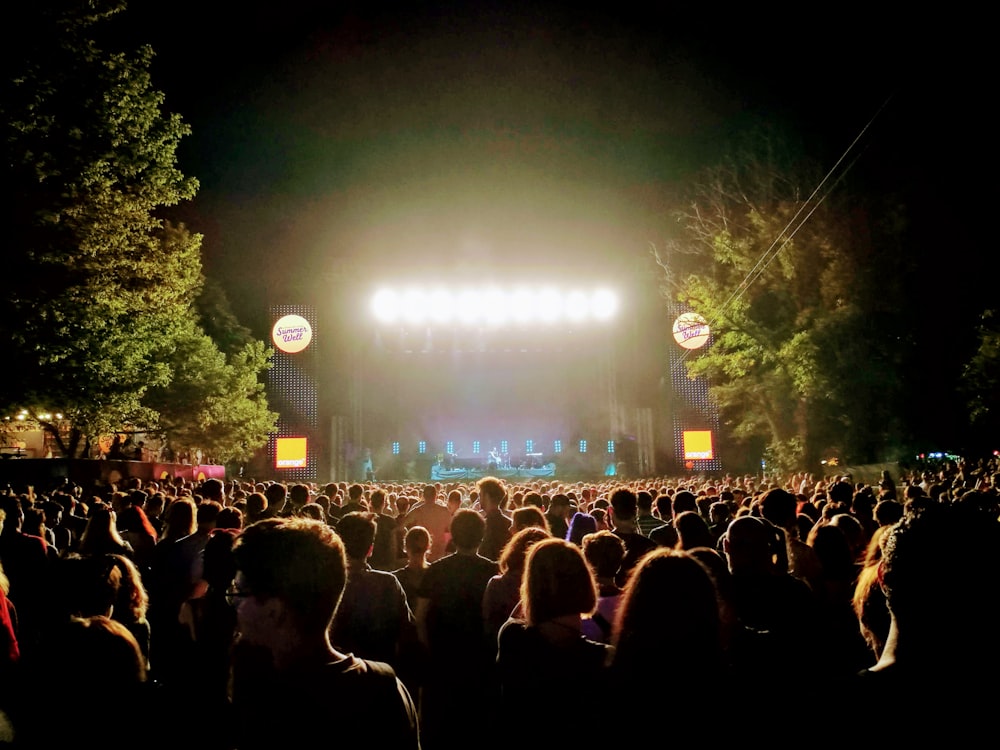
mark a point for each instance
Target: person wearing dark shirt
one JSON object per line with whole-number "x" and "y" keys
{"x": 623, "y": 512}
{"x": 387, "y": 550}
{"x": 545, "y": 656}
{"x": 291, "y": 573}
{"x": 492, "y": 498}
{"x": 450, "y": 625}
{"x": 373, "y": 617}
{"x": 415, "y": 546}
{"x": 557, "y": 516}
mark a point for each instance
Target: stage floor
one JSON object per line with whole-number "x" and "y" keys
{"x": 440, "y": 474}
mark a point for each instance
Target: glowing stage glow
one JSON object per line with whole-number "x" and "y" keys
{"x": 493, "y": 306}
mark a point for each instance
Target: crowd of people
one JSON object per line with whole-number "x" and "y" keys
{"x": 242, "y": 614}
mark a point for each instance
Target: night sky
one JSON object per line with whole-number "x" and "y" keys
{"x": 465, "y": 138}
{"x": 337, "y": 144}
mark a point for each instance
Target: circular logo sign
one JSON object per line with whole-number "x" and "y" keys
{"x": 691, "y": 331}
{"x": 292, "y": 334}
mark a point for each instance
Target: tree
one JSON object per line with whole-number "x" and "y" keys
{"x": 213, "y": 403}
{"x": 218, "y": 320}
{"x": 793, "y": 290}
{"x": 982, "y": 380}
{"x": 105, "y": 287}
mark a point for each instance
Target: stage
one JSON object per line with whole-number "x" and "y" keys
{"x": 440, "y": 473}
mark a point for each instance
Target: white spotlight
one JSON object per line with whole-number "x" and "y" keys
{"x": 604, "y": 304}
{"x": 385, "y": 306}
{"x": 522, "y": 306}
{"x": 577, "y": 306}
{"x": 549, "y": 305}
{"x": 414, "y": 306}
{"x": 495, "y": 307}
{"x": 441, "y": 305}
{"x": 467, "y": 307}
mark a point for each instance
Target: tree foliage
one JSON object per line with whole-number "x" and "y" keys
{"x": 213, "y": 402}
{"x": 800, "y": 300}
{"x": 105, "y": 288}
{"x": 982, "y": 377}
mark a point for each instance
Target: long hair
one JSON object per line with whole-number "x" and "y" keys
{"x": 179, "y": 519}
{"x": 100, "y": 533}
{"x": 100, "y": 652}
{"x": 134, "y": 519}
{"x": 556, "y": 582}
{"x": 131, "y": 599}
{"x": 668, "y": 622}
{"x": 515, "y": 552}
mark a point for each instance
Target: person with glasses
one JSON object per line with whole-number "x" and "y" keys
{"x": 290, "y": 575}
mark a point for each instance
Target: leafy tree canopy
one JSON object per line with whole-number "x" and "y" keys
{"x": 982, "y": 378}
{"x": 800, "y": 294}
{"x": 104, "y": 294}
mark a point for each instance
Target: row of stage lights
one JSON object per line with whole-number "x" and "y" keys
{"x": 493, "y": 306}
{"x": 529, "y": 447}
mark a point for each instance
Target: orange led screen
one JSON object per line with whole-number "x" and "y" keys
{"x": 698, "y": 445}
{"x": 290, "y": 453}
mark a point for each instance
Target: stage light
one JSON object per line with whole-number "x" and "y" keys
{"x": 467, "y": 308}
{"x": 493, "y": 305}
{"x": 385, "y": 306}
{"x": 414, "y": 306}
{"x": 441, "y": 306}
{"x": 603, "y": 304}
{"x": 549, "y": 306}
{"x": 522, "y": 306}
{"x": 577, "y": 306}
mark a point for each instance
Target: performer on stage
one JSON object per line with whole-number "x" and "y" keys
{"x": 367, "y": 466}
